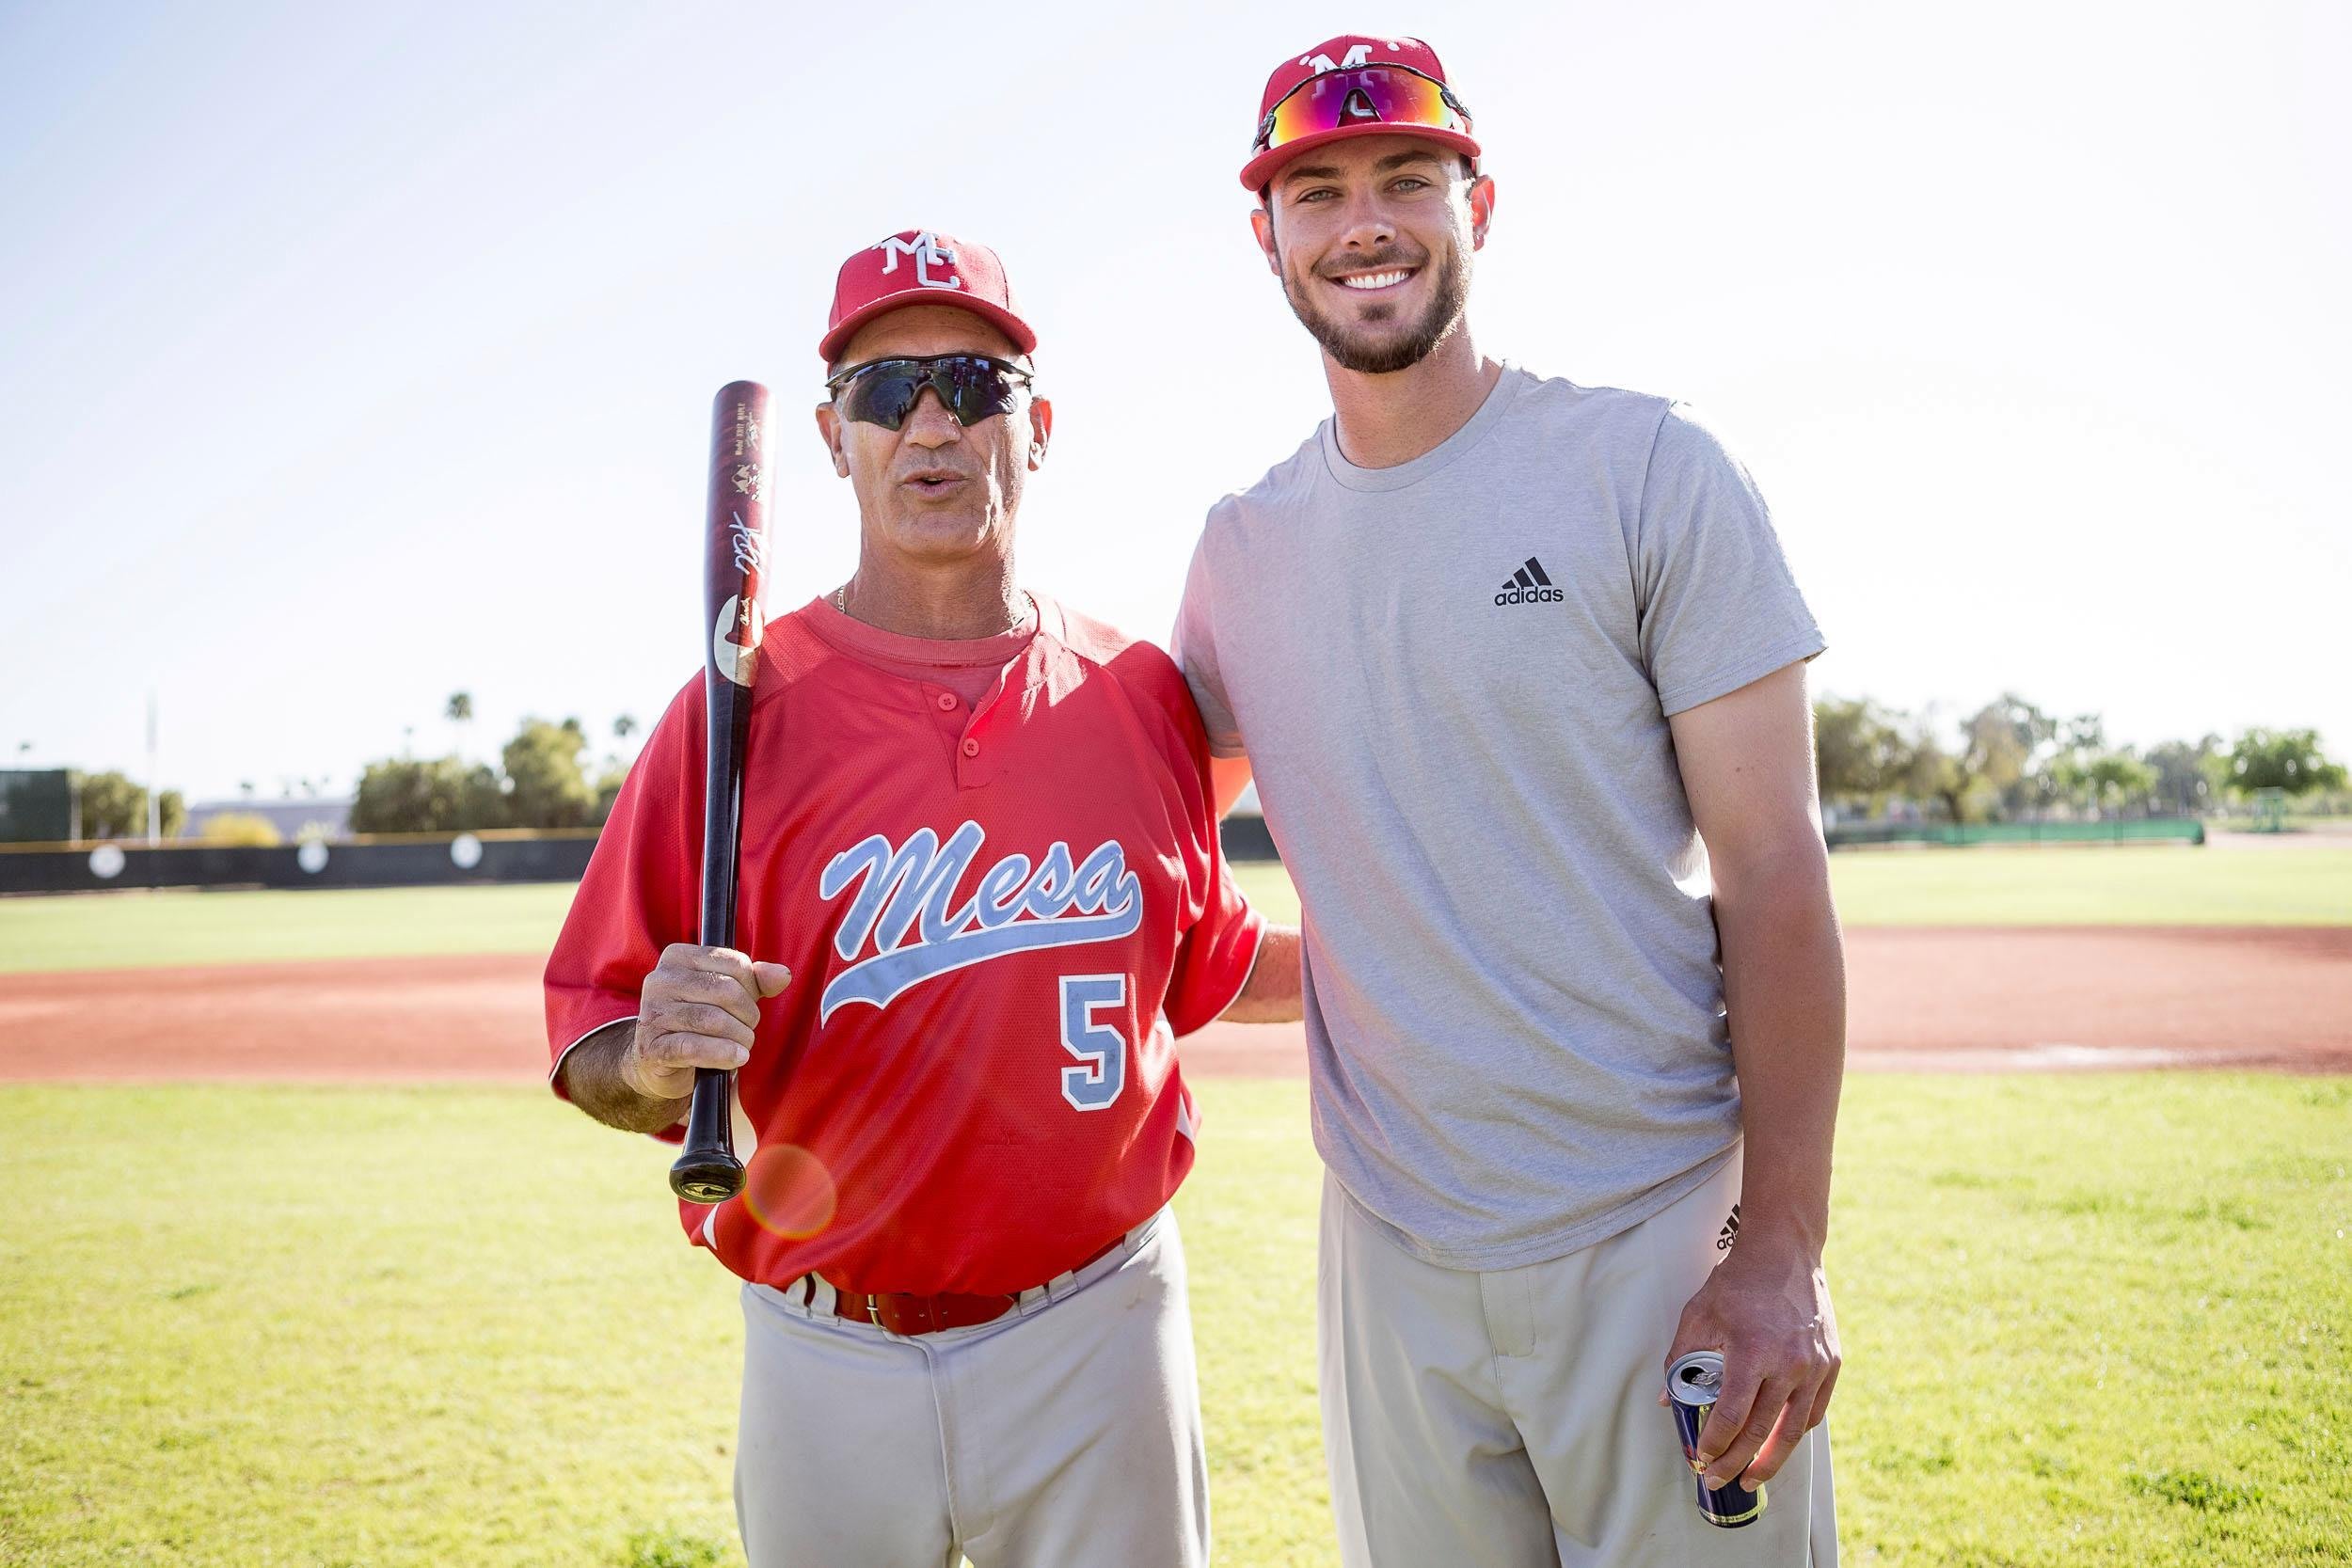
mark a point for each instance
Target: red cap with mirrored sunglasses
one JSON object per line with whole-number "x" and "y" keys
{"x": 1354, "y": 86}
{"x": 920, "y": 266}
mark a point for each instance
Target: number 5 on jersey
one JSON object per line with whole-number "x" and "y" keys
{"x": 1099, "y": 1047}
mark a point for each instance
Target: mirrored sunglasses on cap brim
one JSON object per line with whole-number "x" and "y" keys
{"x": 1391, "y": 95}
{"x": 972, "y": 387}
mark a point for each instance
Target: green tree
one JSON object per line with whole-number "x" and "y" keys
{"x": 436, "y": 795}
{"x": 460, "y": 714}
{"x": 1933, "y": 772}
{"x": 1859, "y": 751}
{"x": 2190, "y": 774}
{"x": 2288, "y": 760}
{"x": 547, "y": 787}
{"x": 609, "y": 789}
{"x": 1997, "y": 747}
{"x": 2015, "y": 758}
{"x": 2104, "y": 781}
{"x": 2060, "y": 769}
{"x": 114, "y": 807}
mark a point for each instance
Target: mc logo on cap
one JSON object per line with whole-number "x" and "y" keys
{"x": 927, "y": 253}
{"x": 921, "y": 266}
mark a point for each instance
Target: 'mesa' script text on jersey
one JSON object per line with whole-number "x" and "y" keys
{"x": 903, "y": 906}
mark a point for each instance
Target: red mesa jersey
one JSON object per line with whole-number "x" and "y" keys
{"x": 998, "y": 917}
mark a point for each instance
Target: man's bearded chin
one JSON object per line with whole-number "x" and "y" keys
{"x": 1353, "y": 348}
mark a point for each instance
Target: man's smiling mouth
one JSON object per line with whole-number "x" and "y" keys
{"x": 1375, "y": 279}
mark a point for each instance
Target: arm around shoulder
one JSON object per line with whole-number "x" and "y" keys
{"x": 1273, "y": 992}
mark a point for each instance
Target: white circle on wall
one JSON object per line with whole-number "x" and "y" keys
{"x": 311, "y": 857}
{"x": 106, "y": 861}
{"x": 465, "y": 851}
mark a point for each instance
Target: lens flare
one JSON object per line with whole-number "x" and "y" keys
{"x": 788, "y": 1191}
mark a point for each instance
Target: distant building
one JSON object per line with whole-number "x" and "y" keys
{"x": 290, "y": 817}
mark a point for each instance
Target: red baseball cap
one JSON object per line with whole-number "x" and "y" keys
{"x": 921, "y": 266}
{"x": 1360, "y": 99}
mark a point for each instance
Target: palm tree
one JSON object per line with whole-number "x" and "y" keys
{"x": 460, "y": 712}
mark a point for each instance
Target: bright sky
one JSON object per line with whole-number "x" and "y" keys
{"x": 353, "y": 356}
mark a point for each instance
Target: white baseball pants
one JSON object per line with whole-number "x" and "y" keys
{"x": 1067, "y": 1432}
{"x": 1511, "y": 1419}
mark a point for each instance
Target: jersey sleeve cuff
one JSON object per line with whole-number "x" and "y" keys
{"x": 1243, "y": 964}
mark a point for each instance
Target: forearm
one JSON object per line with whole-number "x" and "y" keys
{"x": 1273, "y": 994}
{"x": 592, "y": 1077}
{"x": 1785, "y": 992}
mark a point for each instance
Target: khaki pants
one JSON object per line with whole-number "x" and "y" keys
{"x": 1511, "y": 1419}
{"x": 1067, "y": 1432}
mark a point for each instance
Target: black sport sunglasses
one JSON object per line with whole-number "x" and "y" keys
{"x": 973, "y": 386}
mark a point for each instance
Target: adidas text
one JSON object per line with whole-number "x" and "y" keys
{"x": 1528, "y": 595}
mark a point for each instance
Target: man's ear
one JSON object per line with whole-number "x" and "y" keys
{"x": 1482, "y": 206}
{"x": 829, "y": 428}
{"x": 1261, "y": 225}
{"x": 1041, "y": 430}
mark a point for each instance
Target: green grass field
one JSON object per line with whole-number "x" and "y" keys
{"x": 2088, "y": 1321}
{"x": 2104, "y": 885}
{"x": 2154, "y": 885}
{"x": 125, "y": 929}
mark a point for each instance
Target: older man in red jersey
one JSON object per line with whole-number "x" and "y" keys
{"x": 979, "y": 845}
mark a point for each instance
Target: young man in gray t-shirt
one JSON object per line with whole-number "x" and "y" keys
{"x": 1519, "y": 667}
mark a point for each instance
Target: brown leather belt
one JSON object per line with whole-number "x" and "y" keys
{"x": 902, "y": 1312}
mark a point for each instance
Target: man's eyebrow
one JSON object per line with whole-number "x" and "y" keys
{"x": 1393, "y": 161}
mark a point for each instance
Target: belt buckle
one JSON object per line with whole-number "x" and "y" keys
{"x": 873, "y": 1310}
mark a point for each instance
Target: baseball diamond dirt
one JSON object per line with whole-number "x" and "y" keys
{"x": 1974, "y": 998}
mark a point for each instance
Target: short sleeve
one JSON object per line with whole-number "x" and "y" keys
{"x": 640, "y": 891}
{"x": 1718, "y": 606}
{"x": 1193, "y": 648}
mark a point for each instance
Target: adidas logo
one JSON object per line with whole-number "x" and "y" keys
{"x": 1528, "y": 585}
{"x": 1731, "y": 1232}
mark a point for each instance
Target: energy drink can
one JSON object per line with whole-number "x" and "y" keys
{"x": 1691, "y": 1384}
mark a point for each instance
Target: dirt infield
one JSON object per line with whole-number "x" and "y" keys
{"x": 2276, "y": 997}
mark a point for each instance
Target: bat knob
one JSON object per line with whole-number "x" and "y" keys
{"x": 706, "y": 1176}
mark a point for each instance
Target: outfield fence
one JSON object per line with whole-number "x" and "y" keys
{"x": 422, "y": 860}
{"x": 2143, "y": 829}
{"x": 390, "y": 860}
{"x": 383, "y": 860}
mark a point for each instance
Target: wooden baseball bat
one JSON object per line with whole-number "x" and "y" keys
{"x": 708, "y": 1170}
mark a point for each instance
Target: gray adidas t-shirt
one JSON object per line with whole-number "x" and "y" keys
{"x": 1453, "y": 678}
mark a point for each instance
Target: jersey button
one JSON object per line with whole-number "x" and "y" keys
{"x": 971, "y": 747}
{"x": 947, "y": 703}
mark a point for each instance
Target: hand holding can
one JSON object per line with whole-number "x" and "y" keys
{"x": 1692, "y": 1383}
